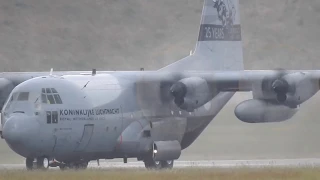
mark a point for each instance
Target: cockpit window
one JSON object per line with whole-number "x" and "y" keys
{"x": 57, "y": 98}
{"x": 44, "y": 98}
{"x": 50, "y": 96}
{"x": 48, "y": 90}
{"x": 23, "y": 96}
{"x": 54, "y": 90}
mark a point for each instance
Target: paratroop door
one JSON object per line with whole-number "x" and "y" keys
{"x": 86, "y": 136}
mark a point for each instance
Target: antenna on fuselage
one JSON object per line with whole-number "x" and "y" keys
{"x": 51, "y": 71}
{"x": 94, "y": 72}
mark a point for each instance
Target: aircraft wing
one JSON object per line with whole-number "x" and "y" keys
{"x": 290, "y": 88}
{"x": 248, "y": 80}
{"x": 226, "y": 81}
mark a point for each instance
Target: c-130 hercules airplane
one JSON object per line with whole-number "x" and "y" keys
{"x": 67, "y": 119}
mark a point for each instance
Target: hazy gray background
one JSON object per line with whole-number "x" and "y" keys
{"x": 36, "y": 35}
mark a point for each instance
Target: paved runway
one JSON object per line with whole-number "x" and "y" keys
{"x": 201, "y": 164}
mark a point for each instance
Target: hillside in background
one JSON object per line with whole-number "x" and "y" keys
{"x": 36, "y": 35}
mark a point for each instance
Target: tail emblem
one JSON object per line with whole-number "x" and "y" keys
{"x": 219, "y": 21}
{"x": 226, "y": 12}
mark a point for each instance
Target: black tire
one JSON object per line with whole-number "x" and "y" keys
{"x": 83, "y": 166}
{"x": 152, "y": 165}
{"x": 74, "y": 166}
{"x": 42, "y": 163}
{"x": 167, "y": 164}
{"x": 29, "y": 163}
{"x": 63, "y": 167}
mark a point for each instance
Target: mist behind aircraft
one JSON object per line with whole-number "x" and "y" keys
{"x": 125, "y": 35}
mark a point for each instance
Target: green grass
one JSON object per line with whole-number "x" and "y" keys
{"x": 177, "y": 174}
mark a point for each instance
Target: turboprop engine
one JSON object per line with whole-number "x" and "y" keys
{"x": 277, "y": 99}
{"x": 290, "y": 89}
{"x": 191, "y": 93}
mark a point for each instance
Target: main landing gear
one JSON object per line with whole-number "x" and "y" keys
{"x": 157, "y": 165}
{"x": 74, "y": 166}
{"x": 41, "y": 163}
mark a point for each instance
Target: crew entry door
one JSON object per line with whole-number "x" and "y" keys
{"x": 86, "y": 137}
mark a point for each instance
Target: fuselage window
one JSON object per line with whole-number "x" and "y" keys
{"x": 23, "y": 96}
{"x": 48, "y": 117}
{"x": 54, "y": 117}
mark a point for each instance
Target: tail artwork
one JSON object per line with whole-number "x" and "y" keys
{"x": 219, "y": 45}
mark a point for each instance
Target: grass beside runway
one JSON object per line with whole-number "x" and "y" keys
{"x": 177, "y": 174}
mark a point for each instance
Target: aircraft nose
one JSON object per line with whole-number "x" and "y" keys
{"x": 20, "y": 129}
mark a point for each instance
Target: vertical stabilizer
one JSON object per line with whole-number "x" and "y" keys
{"x": 219, "y": 45}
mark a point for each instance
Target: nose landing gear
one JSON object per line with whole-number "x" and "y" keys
{"x": 43, "y": 163}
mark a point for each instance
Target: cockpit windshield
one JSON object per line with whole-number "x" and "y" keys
{"x": 19, "y": 97}
{"x": 22, "y": 96}
{"x": 50, "y": 96}
{"x": 45, "y": 96}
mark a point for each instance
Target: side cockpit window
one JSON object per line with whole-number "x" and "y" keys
{"x": 23, "y": 96}
{"x": 50, "y": 96}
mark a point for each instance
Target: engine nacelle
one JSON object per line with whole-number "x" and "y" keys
{"x": 260, "y": 111}
{"x": 166, "y": 150}
{"x": 302, "y": 89}
{"x": 191, "y": 93}
{"x": 288, "y": 89}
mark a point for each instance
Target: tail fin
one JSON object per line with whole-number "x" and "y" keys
{"x": 219, "y": 45}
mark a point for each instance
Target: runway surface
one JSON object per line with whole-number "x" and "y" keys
{"x": 200, "y": 164}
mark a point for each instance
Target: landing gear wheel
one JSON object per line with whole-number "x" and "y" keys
{"x": 83, "y": 165}
{"x": 29, "y": 163}
{"x": 63, "y": 167}
{"x": 167, "y": 164}
{"x": 152, "y": 164}
{"x": 42, "y": 163}
{"x": 74, "y": 166}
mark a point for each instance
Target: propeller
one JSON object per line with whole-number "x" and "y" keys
{"x": 178, "y": 91}
{"x": 281, "y": 88}
{"x": 280, "y": 85}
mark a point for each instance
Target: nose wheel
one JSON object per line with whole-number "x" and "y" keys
{"x": 41, "y": 163}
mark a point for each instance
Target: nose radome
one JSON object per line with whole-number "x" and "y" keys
{"x": 20, "y": 129}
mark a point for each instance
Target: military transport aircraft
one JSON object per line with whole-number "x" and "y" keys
{"x": 66, "y": 119}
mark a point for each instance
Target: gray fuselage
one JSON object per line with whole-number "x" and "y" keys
{"x": 98, "y": 117}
